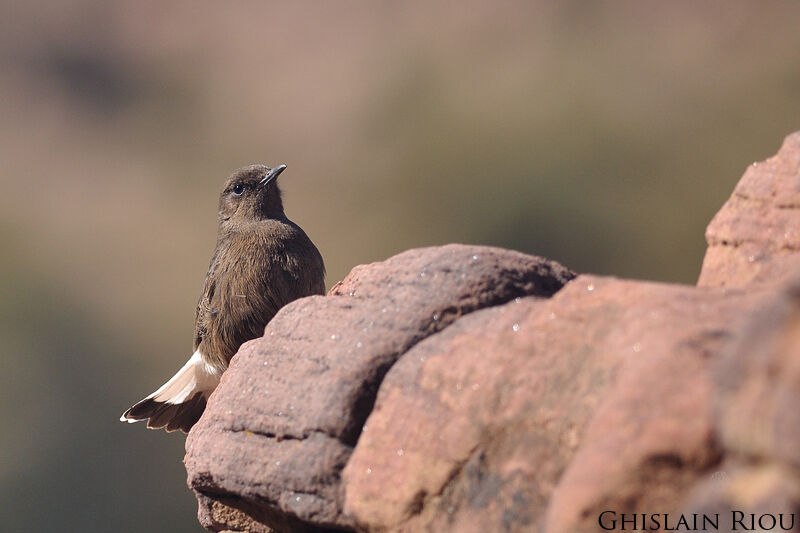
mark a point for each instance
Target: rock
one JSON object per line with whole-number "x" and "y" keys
{"x": 472, "y": 389}
{"x": 741, "y": 495}
{"x": 759, "y": 382}
{"x": 755, "y": 237}
{"x": 283, "y": 422}
{"x": 758, "y": 394}
{"x": 502, "y": 421}
{"x": 753, "y": 242}
{"x": 217, "y": 516}
{"x": 653, "y": 436}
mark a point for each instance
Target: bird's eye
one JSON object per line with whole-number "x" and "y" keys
{"x": 238, "y": 189}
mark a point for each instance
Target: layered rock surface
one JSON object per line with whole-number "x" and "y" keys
{"x": 468, "y": 388}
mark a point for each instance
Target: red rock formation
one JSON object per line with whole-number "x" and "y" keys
{"x": 755, "y": 237}
{"x": 284, "y": 420}
{"x": 463, "y": 389}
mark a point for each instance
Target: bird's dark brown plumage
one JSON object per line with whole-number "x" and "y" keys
{"x": 261, "y": 262}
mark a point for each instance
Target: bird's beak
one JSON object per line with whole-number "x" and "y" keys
{"x": 272, "y": 173}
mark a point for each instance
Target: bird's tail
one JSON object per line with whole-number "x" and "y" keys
{"x": 179, "y": 402}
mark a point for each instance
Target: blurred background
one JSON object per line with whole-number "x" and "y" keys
{"x": 601, "y": 134}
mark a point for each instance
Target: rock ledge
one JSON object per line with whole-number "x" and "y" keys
{"x": 467, "y": 388}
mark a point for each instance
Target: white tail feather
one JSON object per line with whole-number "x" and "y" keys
{"x": 195, "y": 376}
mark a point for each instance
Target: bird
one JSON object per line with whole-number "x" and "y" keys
{"x": 261, "y": 262}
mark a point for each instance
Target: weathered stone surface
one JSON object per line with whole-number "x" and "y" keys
{"x": 740, "y": 494}
{"x": 217, "y": 516}
{"x": 283, "y": 422}
{"x": 476, "y": 427}
{"x": 653, "y": 436}
{"x": 758, "y": 393}
{"x": 754, "y": 242}
{"x": 755, "y": 237}
{"x": 759, "y": 382}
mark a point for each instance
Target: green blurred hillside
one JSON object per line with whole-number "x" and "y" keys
{"x": 604, "y": 135}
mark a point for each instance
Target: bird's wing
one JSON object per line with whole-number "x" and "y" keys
{"x": 238, "y": 300}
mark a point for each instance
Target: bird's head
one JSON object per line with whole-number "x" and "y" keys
{"x": 251, "y": 193}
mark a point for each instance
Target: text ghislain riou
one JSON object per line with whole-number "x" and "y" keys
{"x": 738, "y": 521}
